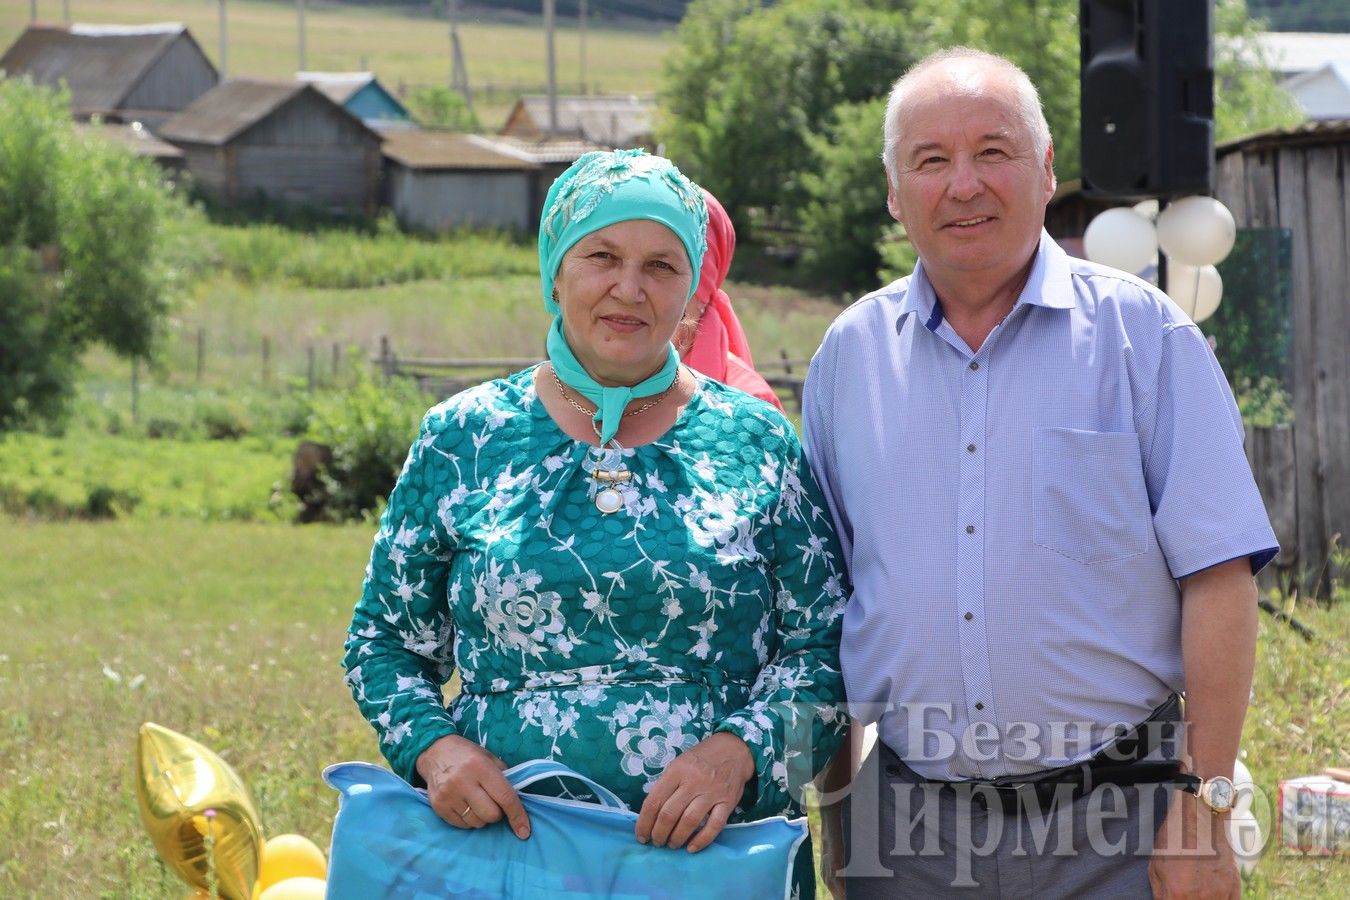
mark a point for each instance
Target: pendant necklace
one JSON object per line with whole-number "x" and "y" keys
{"x": 609, "y": 499}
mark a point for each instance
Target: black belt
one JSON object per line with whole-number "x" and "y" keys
{"x": 1118, "y": 763}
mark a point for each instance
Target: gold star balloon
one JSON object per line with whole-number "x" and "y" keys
{"x": 198, "y": 812}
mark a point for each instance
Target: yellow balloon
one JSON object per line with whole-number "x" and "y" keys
{"x": 302, "y": 888}
{"x": 198, "y": 812}
{"x": 288, "y": 856}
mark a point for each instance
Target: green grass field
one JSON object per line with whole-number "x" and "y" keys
{"x": 231, "y": 633}
{"x": 401, "y": 47}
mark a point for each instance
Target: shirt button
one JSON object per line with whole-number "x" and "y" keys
{"x": 974, "y": 366}
{"x": 970, "y": 529}
{"x": 979, "y": 706}
{"x": 970, "y": 448}
{"x": 969, "y": 616}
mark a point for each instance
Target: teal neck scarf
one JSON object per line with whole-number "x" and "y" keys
{"x": 610, "y": 402}
{"x": 598, "y": 190}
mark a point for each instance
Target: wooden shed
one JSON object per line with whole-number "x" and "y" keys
{"x": 282, "y": 142}
{"x": 437, "y": 180}
{"x": 609, "y": 121}
{"x": 362, "y": 95}
{"x": 142, "y": 73}
{"x": 1296, "y": 179}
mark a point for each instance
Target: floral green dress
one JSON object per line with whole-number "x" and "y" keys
{"x": 711, "y": 601}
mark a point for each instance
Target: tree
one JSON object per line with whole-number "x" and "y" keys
{"x": 1041, "y": 36}
{"x": 847, "y": 207}
{"x": 1247, "y": 98}
{"x": 79, "y": 222}
{"x": 747, "y": 85}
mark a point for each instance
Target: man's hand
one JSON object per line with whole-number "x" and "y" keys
{"x": 700, "y": 788}
{"x": 1191, "y": 854}
{"x": 466, "y": 786}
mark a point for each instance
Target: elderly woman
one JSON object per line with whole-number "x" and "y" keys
{"x": 628, "y": 563}
{"x": 714, "y": 343}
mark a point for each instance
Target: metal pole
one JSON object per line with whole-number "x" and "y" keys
{"x": 300, "y": 16}
{"x": 552, "y": 69}
{"x": 32, "y": 10}
{"x": 582, "y": 17}
{"x": 65, "y": 10}
{"x": 224, "y": 44}
{"x": 459, "y": 73}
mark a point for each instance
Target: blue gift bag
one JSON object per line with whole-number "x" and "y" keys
{"x": 389, "y": 843}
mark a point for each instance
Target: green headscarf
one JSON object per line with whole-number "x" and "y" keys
{"x": 599, "y": 190}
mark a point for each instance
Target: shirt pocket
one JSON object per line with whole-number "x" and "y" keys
{"x": 1089, "y": 501}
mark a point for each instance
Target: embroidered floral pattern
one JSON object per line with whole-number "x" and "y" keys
{"x": 711, "y": 601}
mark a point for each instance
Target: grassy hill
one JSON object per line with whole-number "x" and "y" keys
{"x": 404, "y": 46}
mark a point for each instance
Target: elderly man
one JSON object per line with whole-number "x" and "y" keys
{"x": 1036, "y": 467}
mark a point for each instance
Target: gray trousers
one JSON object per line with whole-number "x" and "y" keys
{"x": 907, "y": 838}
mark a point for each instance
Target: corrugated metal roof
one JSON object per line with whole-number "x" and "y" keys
{"x": 450, "y": 151}
{"x": 100, "y": 63}
{"x": 336, "y": 86}
{"x": 1317, "y": 131}
{"x": 613, "y": 121}
{"x": 1292, "y": 52}
{"x": 543, "y": 152}
{"x": 133, "y": 135}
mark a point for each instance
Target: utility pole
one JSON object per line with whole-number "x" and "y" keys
{"x": 585, "y": 89}
{"x": 459, "y": 72}
{"x": 224, "y": 43}
{"x": 552, "y": 70}
{"x": 300, "y": 16}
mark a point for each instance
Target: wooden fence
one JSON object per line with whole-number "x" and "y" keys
{"x": 444, "y": 377}
{"x": 1303, "y": 565}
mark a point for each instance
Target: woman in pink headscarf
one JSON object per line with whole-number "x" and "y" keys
{"x": 718, "y": 348}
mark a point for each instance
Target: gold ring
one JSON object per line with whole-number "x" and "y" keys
{"x": 468, "y": 808}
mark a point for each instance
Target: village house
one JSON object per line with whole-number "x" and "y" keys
{"x": 436, "y": 180}
{"x": 362, "y": 95}
{"x": 280, "y": 142}
{"x": 139, "y": 73}
{"x": 608, "y": 121}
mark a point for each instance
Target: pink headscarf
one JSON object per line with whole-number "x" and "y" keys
{"x": 719, "y": 349}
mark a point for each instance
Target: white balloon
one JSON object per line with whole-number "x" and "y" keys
{"x": 1196, "y": 290}
{"x": 1121, "y": 238}
{"x": 1197, "y": 231}
{"x": 1244, "y": 836}
{"x": 1243, "y": 786}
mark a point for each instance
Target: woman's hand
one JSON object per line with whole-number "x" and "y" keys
{"x": 701, "y": 787}
{"x": 466, "y": 786}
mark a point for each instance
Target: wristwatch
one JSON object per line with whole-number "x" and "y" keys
{"x": 1217, "y": 793}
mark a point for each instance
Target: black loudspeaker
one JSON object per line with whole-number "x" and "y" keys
{"x": 1147, "y": 80}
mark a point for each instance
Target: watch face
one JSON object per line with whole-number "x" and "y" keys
{"x": 1218, "y": 793}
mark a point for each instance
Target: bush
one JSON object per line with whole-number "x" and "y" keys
{"x": 104, "y": 502}
{"x": 368, "y": 430}
{"x": 846, "y": 216}
{"x": 80, "y": 221}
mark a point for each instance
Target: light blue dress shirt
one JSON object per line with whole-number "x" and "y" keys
{"x": 1015, "y": 519}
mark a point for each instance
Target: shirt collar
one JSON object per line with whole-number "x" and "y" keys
{"x": 1050, "y": 284}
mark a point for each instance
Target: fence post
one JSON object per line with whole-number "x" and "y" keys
{"x": 386, "y": 359}
{"x": 201, "y": 353}
{"x": 267, "y": 360}
{"x": 337, "y": 360}
{"x": 310, "y": 353}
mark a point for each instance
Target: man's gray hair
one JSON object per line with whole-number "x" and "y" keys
{"x": 1028, "y": 101}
